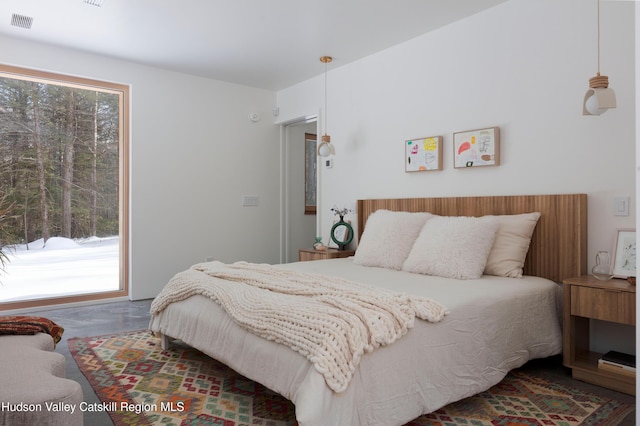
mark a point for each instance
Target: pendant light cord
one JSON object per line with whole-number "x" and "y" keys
{"x": 325, "y": 60}
{"x": 326, "y": 115}
{"x": 598, "y": 81}
{"x": 598, "y": 2}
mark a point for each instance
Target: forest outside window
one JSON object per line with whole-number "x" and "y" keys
{"x": 63, "y": 156}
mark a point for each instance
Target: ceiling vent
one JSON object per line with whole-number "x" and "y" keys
{"x": 94, "y": 2}
{"x": 21, "y": 21}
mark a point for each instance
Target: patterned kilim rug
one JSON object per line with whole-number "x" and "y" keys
{"x": 140, "y": 384}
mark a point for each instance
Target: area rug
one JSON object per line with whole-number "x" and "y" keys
{"x": 140, "y": 384}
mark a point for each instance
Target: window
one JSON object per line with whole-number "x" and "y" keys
{"x": 64, "y": 176}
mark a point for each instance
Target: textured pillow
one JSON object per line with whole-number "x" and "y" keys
{"x": 388, "y": 237}
{"x": 510, "y": 248}
{"x": 452, "y": 247}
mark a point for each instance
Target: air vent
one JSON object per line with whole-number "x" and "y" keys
{"x": 21, "y": 21}
{"x": 94, "y": 2}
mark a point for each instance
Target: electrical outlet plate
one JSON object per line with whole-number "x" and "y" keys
{"x": 250, "y": 200}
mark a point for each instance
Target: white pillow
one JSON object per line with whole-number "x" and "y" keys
{"x": 388, "y": 238}
{"x": 510, "y": 248}
{"x": 452, "y": 247}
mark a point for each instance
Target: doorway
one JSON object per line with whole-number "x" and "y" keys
{"x": 299, "y": 222}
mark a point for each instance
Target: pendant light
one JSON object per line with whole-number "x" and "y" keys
{"x": 325, "y": 148}
{"x": 599, "y": 98}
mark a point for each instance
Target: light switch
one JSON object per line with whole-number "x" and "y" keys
{"x": 621, "y": 206}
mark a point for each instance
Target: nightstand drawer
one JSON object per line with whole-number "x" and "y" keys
{"x": 328, "y": 253}
{"x": 603, "y": 304}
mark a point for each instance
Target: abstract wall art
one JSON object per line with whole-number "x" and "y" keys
{"x": 473, "y": 148}
{"x": 423, "y": 154}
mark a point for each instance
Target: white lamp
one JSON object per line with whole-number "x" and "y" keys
{"x": 599, "y": 98}
{"x": 325, "y": 148}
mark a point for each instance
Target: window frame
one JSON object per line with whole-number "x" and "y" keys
{"x": 123, "y": 92}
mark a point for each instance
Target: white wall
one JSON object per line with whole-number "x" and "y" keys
{"x": 523, "y": 66}
{"x": 194, "y": 153}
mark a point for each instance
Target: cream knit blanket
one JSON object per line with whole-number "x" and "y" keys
{"x": 329, "y": 320}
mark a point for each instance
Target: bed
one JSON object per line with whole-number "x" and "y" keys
{"x": 493, "y": 323}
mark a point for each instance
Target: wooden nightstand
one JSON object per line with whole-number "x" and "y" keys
{"x": 329, "y": 253}
{"x": 587, "y": 298}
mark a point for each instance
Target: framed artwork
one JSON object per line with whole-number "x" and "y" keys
{"x": 475, "y": 148}
{"x": 624, "y": 254}
{"x": 310, "y": 171}
{"x": 423, "y": 154}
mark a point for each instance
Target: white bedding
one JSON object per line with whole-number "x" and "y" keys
{"x": 495, "y": 324}
{"x": 306, "y": 312}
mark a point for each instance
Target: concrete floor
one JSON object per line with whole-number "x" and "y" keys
{"x": 109, "y": 318}
{"x": 95, "y": 320}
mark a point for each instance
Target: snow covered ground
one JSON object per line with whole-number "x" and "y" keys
{"x": 60, "y": 267}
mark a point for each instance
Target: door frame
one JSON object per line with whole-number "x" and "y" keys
{"x": 285, "y": 180}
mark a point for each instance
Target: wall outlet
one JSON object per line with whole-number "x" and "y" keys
{"x": 250, "y": 200}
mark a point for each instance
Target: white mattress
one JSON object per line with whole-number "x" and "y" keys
{"x": 495, "y": 324}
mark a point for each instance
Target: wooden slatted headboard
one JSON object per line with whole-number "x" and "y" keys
{"x": 558, "y": 247}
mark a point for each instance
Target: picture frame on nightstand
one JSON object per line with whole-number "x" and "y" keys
{"x": 624, "y": 254}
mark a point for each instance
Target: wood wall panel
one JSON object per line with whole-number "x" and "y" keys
{"x": 559, "y": 244}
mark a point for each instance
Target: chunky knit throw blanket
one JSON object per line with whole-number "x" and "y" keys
{"x": 329, "y": 320}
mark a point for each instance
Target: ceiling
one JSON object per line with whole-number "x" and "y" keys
{"x": 270, "y": 44}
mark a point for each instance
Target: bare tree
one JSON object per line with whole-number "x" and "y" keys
{"x": 67, "y": 164}
{"x": 42, "y": 186}
{"x": 93, "y": 219}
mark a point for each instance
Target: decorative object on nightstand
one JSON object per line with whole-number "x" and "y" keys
{"x": 341, "y": 231}
{"x": 318, "y": 244}
{"x": 587, "y": 298}
{"x": 624, "y": 254}
{"x": 328, "y": 253}
{"x": 602, "y": 268}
